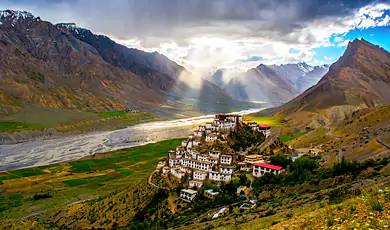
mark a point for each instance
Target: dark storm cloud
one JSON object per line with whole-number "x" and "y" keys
{"x": 215, "y": 32}
{"x": 171, "y": 18}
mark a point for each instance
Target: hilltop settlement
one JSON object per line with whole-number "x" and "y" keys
{"x": 205, "y": 156}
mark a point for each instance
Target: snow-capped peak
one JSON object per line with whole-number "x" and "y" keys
{"x": 71, "y": 27}
{"x": 16, "y": 14}
{"x": 305, "y": 67}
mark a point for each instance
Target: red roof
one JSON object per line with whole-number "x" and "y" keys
{"x": 269, "y": 166}
{"x": 264, "y": 126}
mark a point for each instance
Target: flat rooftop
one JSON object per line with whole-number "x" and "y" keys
{"x": 189, "y": 191}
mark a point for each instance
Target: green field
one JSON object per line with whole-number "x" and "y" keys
{"x": 45, "y": 117}
{"x": 75, "y": 182}
{"x": 269, "y": 120}
{"x": 63, "y": 121}
{"x": 113, "y": 113}
{"x": 291, "y": 136}
{"x": 84, "y": 179}
{"x": 21, "y": 173}
{"x": 7, "y": 126}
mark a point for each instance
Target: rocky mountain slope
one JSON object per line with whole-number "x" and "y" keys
{"x": 65, "y": 67}
{"x": 346, "y": 112}
{"x": 156, "y": 70}
{"x": 301, "y": 75}
{"x": 360, "y": 78}
{"x": 276, "y": 83}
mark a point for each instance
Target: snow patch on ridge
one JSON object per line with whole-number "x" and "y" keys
{"x": 16, "y": 14}
{"x": 13, "y": 16}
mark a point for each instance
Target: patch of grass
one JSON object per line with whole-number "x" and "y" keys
{"x": 10, "y": 200}
{"x": 375, "y": 204}
{"x": 329, "y": 217}
{"x": 318, "y": 136}
{"x": 28, "y": 172}
{"x": 35, "y": 117}
{"x": 291, "y": 136}
{"x": 46, "y": 117}
{"x": 67, "y": 182}
{"x": 269, "y": 120}
{"x": 107, "y": 121}
{"x": 21, "y": 173}
{"x": 125, "y": 172}
{"x": 75, "y": 182}
{"x": 11, "y": 126}
{"x": 113, "y": 113}
{"x": 147, "y": 153}
{"x": 92, "y": 165}
{"x": 6, "y": 176}
{"x": 98, "y": 181}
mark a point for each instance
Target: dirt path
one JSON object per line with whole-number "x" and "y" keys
{"x": 150, "y": 179}
{"x": 275, "y": 132}
{"x": 382, "y": 143}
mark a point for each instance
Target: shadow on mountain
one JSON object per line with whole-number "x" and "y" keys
{"x": 213, "y": 99}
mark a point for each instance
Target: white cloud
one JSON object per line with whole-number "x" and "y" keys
{"x": 338, "y": 39}
{"x": 225, "y": 51}
{"x": 220, "y": 33}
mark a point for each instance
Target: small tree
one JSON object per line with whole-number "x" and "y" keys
{"x": 243, "y": 180}
{"x": 280, "y": 160}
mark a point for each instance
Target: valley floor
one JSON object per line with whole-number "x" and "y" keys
{"x": 34, "y": 191}
{"x": 40, "y": 123}
{"x": 111, "y": 190}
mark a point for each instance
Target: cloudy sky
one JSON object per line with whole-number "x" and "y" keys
{"x": 208, "y": 34}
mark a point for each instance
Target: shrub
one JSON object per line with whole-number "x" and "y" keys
{"x": 336, "y": 195}
{"x": 244, "y": 137}
{"x": 280, "y": 160}
{"x": 352, "y": 209}
{"x": 274, "y": 222}
{"x": 302, "y": 170}
{"x": 243, "y": 180}
{"x": 270, "y": 212}
{"x": 39, "y": 196}
{"x": 375, "y": 204}
{"x": 345, "y": 167}
{"x": 329, "y": 218}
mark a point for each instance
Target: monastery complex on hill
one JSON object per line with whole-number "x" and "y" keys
{"x": 214, "y": 165}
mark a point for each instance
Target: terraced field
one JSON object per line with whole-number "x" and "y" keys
{"x": 33, "y": 191}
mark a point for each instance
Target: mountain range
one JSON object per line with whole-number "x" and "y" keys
{"x": 346, "y": 113}
{"x": 359, "y": 78}
{"x": 66, "y": 67}
{"x": 272, "y": 83}
{"x": 63, "y": 66}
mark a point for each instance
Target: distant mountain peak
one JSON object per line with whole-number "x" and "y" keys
{"x": 16, "y": 15}
{"x": 359, "y": 78}
{"x": 305, "y": 67}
